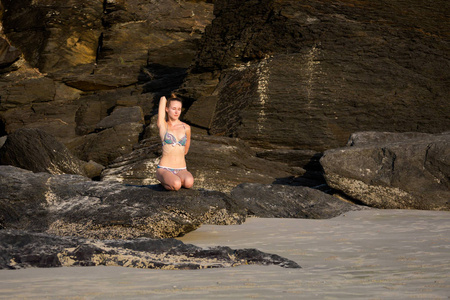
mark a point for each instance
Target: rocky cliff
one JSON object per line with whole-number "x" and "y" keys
{"x": 306, "y": 74}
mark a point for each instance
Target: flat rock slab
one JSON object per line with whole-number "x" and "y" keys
{"x": 19, "y": 249}
{"x": 282, "y": 201}
{"x": 72, "y": 205}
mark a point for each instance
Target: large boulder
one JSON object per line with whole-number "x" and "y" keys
{"x": 105, "y": 146}
{"x": 391, "y": 170}
{"x": 38, "y": 151}
{"x": 72, "y": 205}
{"x": 282, "y": 74}
{"x": 283, "y": 201}
{"x": 217, "y": 163}
{"x": 20, "y": 249}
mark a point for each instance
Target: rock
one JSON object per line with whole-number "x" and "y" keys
{"x": 8, "y": 54}
{"x": 282, "y": 75}
{"x": 107, "y": 145}
{"x": 31, "y": 103}
{"x": 93, "y": 169}
{"x": 72, "y": 205}
{"x": 37, "y": 151}
{"x": 366, "y": 138}
{"x": 282, "y": 201}
{"x": 3, "y": 140}
{"x": 389, "y": 170}
{"x": 107, "y": 51}
{"x": 217, "y": 163}
{"x": 19, "y": 249}
{"x": 122, "y": 115}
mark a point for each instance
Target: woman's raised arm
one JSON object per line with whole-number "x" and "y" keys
{"x": 162, "y": 112}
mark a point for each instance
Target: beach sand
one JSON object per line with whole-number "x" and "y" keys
{"x": 368, "y": 254}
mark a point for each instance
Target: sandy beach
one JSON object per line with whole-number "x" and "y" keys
{"x": 369, "y": 254}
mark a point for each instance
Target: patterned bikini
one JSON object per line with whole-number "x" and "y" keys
{"x": 170, "y": 139}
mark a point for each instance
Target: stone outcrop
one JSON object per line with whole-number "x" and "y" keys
{"x": 20, "y": 249}
{"x": 391, "y": 170}
{"x": 72, "y": 205}
{"x": 285, "y": 74}
{"x": 217, "y": 163}
{"x": 68, "y": 66}
{"x": 38, "y": 151}
{"x": 281, "y": 201}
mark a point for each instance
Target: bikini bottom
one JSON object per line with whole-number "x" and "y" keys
{"x": 174, "y": 171}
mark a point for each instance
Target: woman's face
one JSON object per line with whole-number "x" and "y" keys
{"x": 174, "y": 110}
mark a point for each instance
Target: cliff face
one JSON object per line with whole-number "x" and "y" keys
{"x": 305, "y": 74}
{"x": 67, "y": 65}
{"x": 276, "y": 73}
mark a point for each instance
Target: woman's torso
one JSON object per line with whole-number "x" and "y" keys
{"x": 173, "y": 149}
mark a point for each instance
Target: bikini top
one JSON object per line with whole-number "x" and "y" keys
{"x": 170, "y": 139}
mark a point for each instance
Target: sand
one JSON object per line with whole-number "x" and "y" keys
{"x": 369, "y": 254}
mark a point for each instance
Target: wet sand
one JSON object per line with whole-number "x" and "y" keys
{"x": 369, "y": 254}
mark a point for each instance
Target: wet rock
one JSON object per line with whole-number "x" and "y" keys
{"x": 72, "y": 205}
{"x": 389, "y": 170}
{"x": 282, "y": 201}
{"x": 20, "y": 249}
{"x": 38, "y": 151}
{"x": 217, "y": 163}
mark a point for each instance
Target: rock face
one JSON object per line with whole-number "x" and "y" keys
{"x": 283, "y": 74}
{"x": 65, "y": 67}
{"x": 389, "y": 170}
{"x": 20, "y": 249}
{"x": 38, "y": 151}
{"x": 217, "y": 163}
{"x": 72, "y": 205}
{"x": 280, "y": 201}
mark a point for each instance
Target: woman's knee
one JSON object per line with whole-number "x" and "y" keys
{"x": 188, "y": 182}
{"x": 176, "y": 184}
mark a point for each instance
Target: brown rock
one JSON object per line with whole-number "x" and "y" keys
{"x": 217, "y": 163}
{"x": 306, "y": 76}
{"x": 37, "y": 151}
{"x": 407, "y": 172}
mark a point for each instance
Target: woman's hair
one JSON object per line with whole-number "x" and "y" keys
{"x": 173, "y": 97}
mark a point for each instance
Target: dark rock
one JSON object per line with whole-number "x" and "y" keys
{"x": 371, "y": 138}
{"x": 72, "y": 205}
{"x": 37, "y": 151}
{"x": 8, "y": 54}
{"x": 122, "y": 115}
{"x": 282, "y": 201}
{"x": 19, "y": 249}
{"x": 105, "y": 146}
{"x": 106, "y": 51}
{"x": 388, "y": 170}
{"x": 39, "y": 102}
{"x": 282, "y": 74}
{"x": 217, "y": 163}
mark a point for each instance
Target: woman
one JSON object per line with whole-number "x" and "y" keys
{"x": 176, "y": 139}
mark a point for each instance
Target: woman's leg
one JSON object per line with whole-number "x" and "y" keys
{"x": 169, "y": 180}
{"x": 187, "y": 180}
